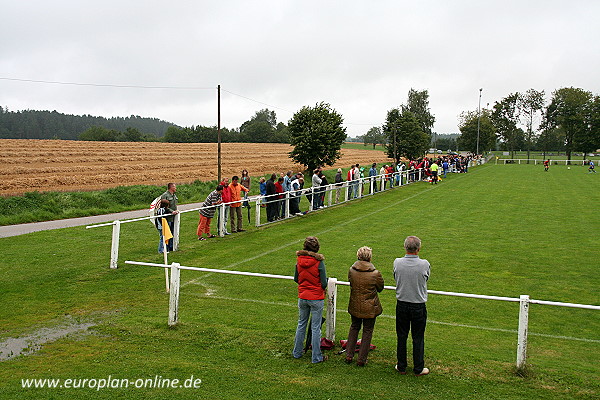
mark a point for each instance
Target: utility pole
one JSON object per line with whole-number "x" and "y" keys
{"x": 219, "y": 133}
{"x": 478, "y": 119}
{"x": 395, "y": 134}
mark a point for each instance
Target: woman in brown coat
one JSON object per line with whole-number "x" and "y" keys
{"x": 364, "y": 306}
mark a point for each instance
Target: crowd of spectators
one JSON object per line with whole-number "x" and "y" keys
{"x": 233, "y": 196}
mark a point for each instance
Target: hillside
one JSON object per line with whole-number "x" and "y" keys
{"x": 32, "y": 124}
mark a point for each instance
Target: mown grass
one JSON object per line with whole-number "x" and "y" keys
{"x": 538, "y": 155}
{"x": 498, "y": 230}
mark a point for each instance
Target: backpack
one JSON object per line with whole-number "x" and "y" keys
{"x": 154, "y": 207}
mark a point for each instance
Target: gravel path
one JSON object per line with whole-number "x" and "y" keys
{"x": 22, "y": 229}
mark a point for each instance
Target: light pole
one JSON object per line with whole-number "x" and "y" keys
{"x": 478, "y": 119}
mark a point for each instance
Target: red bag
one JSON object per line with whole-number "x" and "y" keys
{"x": 344, "y": 342}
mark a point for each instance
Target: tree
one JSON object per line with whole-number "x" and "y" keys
{"x": 374, "y": 136}
{"x": 317, "y": 136}
{"x": 505, "y": 117}
{"x": 263, "y": 128}
{"x": 418, "y": 104}
{"x": 468, "y": 131}
{"x": 566, "y": 112}
{"x": 588, "y": 140}
{"x": 530, "y": 104}
{"x": 405, "y": 137}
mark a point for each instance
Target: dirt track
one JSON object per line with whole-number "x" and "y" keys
{"x": 64, "y": 165}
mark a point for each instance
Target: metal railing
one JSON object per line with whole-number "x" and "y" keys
{"x": 332, "y": 284}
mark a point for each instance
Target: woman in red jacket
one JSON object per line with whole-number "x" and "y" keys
{"x": 312, "y": 280}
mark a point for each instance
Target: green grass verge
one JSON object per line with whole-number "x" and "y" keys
{"x": 362, "y": 146}
{"x": 498, "y": 230}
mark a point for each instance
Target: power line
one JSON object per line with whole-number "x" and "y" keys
{"x": 156, "y": 87}
{"x": 256, "y": 101}
{"x": 107, "y": 84}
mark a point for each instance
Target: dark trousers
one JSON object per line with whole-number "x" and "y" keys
{"x": 413, "y": 317}
{"x": 368, "y": 324}
{"x": 272, "y": 209}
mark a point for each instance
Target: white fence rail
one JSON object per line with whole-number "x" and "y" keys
{"x": 536, "y": 162}
{"x": 524, "y": 301}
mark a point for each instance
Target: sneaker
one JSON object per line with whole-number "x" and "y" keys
{"x": 424, "y": 372}
{"x": 227, "y": 233}
{"x": 241, "y": 230}
{"x": 201, "y": 238}
{"x": 400, "y": 372}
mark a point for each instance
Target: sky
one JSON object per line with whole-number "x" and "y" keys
{"x": 165, "y": 59}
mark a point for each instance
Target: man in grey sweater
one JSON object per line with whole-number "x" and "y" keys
{"x": 411, "y": 274}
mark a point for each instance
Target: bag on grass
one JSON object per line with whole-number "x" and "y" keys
{"x": 344, "y": 342}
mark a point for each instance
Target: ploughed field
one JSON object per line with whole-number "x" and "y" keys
{"x": 28, "y": 165}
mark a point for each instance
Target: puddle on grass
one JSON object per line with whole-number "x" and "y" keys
{"x": 14, "y": 347}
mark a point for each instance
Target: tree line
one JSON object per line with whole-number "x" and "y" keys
{"x": 32, "y": 124}
{"x": 569, "y": 122}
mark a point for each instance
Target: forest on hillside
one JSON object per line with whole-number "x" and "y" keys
{"x": 32, "y": 124}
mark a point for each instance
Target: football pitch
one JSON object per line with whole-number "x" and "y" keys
{"x": 502, "y": 230}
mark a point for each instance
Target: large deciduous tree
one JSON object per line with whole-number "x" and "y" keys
{"x": 418, "y": 104}
{"x": 531, "y": 104}
{"x": 468, "y": 131}
{"x": 505, "y": 117}
{"x": 567, "y": 112}
{"x": 317, "y": 135}
{"x": 405, "y": 136}
{"x": 374, "y": 136}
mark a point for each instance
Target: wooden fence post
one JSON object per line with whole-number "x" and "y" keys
{"x": 523, "y": 326}
{"x": 174, "y": 295}
{"x": 114, "y": 250}
{"x": 331, "y": 305}
{"x": 176, "y": 224}
{"x": 257, "y": 213}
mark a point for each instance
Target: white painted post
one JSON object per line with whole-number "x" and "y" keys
{"x": 331, "y": 305}
{"x": 174, "y": 295}
{"x": 330, "y": 189}
{"x": 221, "y": 227}
{"x": 382, "y": 183}
{"x": 346, "y": 190}
{"x": 286, "y": 214}
{"x": 176, "y": 232}
{"x": 523, "y": 326}
{"x": 420, "y": 174}
{"x": 257, "y": 213}
{"x": 114, "y": 250}
{"x": 361, "y": 187}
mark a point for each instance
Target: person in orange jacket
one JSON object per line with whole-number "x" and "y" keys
{"x": 235, "y": 208}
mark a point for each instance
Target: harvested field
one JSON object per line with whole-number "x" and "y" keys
{"x": 64, "y": 165}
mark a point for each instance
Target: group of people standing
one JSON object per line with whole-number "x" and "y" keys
{"x": 411, "y": 274}
{"x": 233, "y": 195}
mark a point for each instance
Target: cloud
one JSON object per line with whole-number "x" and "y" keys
{"x": 361, "y": 57}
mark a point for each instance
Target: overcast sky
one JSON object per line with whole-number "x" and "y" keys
{"x": 362, "y": 57}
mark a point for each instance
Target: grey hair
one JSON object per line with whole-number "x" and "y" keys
{"x": 364, "y": 253}
{"x": 412, "y": 244}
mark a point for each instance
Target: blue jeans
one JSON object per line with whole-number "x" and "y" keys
{"x": 314, "y": 309}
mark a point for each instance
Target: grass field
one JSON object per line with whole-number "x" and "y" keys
{"x": 498, "y": 230}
